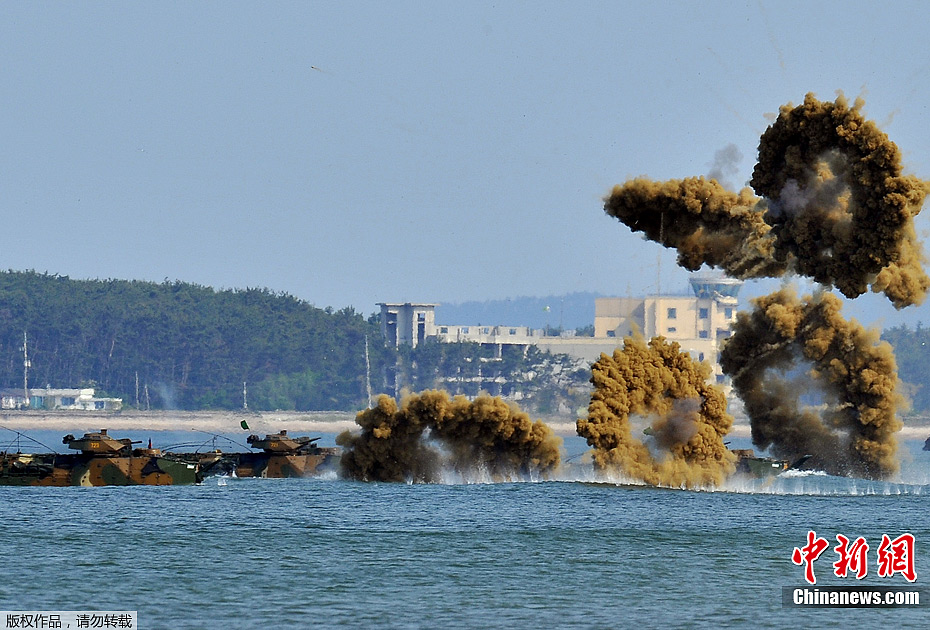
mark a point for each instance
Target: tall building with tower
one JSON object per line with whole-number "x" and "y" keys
{"x": 407, "y": 323}
{"x": 698, "y": 322}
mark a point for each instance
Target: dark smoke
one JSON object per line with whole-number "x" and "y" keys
{"x": 835, "y": 207}
{"x": 431, "y": 432}
{"x": 851, "y": 430}
{"x": 687, "y": 416}
{"x": 844, "y": 210}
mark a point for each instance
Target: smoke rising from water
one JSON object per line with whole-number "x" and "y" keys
{"x": 687, "y": 416}
{"x": 430, "y": 432}
{"x": 835, "y": 207}
{"x": 852, "y": 429}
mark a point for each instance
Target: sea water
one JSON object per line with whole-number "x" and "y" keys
{"x": 571, "y": 553}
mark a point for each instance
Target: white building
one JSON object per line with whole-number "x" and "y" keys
{"x": 52, "y": 399}
{"x": 407, "y": 323}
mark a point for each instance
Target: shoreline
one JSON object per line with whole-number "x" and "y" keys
{"x": 264, "y": 422}
{"x": 210, "y": 421}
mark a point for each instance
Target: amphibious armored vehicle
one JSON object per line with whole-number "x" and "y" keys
{"x": 102, "y": 461}
{"x": 748, "y": 463}
{"x": 286, "y": 456}
{"x": 281, "y": 456}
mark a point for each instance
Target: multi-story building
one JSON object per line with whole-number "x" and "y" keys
{"x": 698, "y": 322}
{"x": 407, "y": 323}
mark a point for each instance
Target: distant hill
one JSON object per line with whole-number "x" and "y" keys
{"x": 571, "y": 311}
{"x": 175, "y": 345}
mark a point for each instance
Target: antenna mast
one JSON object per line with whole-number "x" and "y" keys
{"x": 659, "y": 255}
{"x": 367, "y": 372}
{"x": 26, "y": 366}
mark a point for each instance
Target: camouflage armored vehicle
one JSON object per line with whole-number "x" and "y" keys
{"x": 286, "y": 456}
{"x": 102, "y": 461}
{"x": 748, "y": 463}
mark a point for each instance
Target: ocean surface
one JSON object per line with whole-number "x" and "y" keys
{"x": 572, "y": 553}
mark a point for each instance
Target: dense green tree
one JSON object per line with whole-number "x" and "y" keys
{"x": 912, "y": 353}
{"x": 190, "y": 347}
{"x": 543, "y": 382}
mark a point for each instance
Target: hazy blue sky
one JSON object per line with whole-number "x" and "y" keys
{"x": 355, "y": 152}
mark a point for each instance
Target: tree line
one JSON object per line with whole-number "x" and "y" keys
{"x": 184, "y": 346}
{"x": 176, "y": 345}
{"x": 912, "y": 353}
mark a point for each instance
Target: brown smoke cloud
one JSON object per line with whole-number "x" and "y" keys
{"x": 832, "y": 205}
{"x": 430, "y": 432}
{"x": 851, "y": 430}
{"x": 706, "y": 223}
{"x": 835, "y": 207}
{"x": 687, "y": 416}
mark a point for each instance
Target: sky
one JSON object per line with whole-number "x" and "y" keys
{"x": 348, "y": 153}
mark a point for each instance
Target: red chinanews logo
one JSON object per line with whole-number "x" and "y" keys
{"x": 893, "y": 556}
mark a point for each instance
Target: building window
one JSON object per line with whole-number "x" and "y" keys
{"x": 672, "y": 313}
{"x": 611, "y": 333}
{"x": 464, "y": 330}
{"x": 703, "y": 334}
{"x": 443, "y": 330}
{"x": 703, "y": 313}
{"x": 701, "y": 356}
{"x": 513, "y": 331}
{"x": 485, "y": 330}
{"x": 672, "y": 329}
{"x": 728, "y": 313}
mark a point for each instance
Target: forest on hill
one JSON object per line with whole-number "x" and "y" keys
{"x": 187, "y": 346}
{"x": 912, "y": 354}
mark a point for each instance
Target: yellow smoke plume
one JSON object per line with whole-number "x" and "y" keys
{"x": 834, "y": 206}
{"x": 430, "y": 432}
{"x": 785, "y": 348}
{"x": 687, "y": 414}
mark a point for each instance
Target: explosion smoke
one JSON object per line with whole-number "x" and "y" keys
{"x": 706, "y": 223}
{"x": 486, "y": 434}
{"x": 853, "y": 432}
{"x": 835, "y": 207}
{"x": 688, "y": 416}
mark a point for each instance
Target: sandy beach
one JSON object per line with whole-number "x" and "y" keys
{"x": 210, "y": 421}
{"x": 266, "y": 422}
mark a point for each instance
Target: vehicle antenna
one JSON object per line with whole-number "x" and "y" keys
{"x": 31, "y": 439}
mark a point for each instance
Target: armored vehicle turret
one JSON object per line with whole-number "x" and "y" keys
{"x": 285, "y": 456}
{"x": 283, "y": 443}
{"x": 99, "y": 444}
